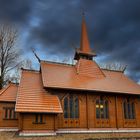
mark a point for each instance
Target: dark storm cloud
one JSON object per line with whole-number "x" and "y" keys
{"x": 113, "y": 27}
{"x": 59, "y": 27}
{"x": 16, "y": 11}
{"x": 117, "y": 33}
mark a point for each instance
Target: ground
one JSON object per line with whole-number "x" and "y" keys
{"x": 107, "y": 136}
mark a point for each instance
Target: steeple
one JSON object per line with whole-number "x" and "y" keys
{"x": 84, "y": 44}
{"x": 84, "y": 51}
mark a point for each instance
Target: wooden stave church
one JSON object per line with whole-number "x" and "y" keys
{"x": 72, "y": 98}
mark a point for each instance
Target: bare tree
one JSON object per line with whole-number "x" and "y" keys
{"x": 26, "y": 64}
{"x": 15, "y": 75}
{"x": 9, "y": 53}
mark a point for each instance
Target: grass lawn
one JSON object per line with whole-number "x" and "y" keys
{"x": 105, "y": 136}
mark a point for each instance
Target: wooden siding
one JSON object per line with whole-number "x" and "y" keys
{"x": 7, "y": 122}
{"x": 101, "y": 123}
{"x": 127, "y": 123}
{"x": 87, "y": 114}
{"x": 87, "y": 105}
{"x": 27, "y": 122}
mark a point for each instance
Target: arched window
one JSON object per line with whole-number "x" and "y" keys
{"x": 129, "y": 109}
{"x": 102, "y": 108}
{"x": 66, "y": 107}
{"x": 71, "y": 107}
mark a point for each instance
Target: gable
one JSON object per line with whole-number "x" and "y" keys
{"x": 9, "y": 93}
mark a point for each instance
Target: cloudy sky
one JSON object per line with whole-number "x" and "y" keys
{"x": 52, "y": 27}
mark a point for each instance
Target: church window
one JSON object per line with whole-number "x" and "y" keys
{"x": 102, "y": 108}
{"x": 129, "y": 109}
{"x": 71, "y": 107}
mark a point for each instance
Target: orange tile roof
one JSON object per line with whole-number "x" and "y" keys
{"x": 32, "y": 97}
{"x": 65, "y": 76}
{"x": 89, "y": 68}
{"x": 9, "y": 93}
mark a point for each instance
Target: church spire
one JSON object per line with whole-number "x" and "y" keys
{"x": 84, "y": 51}
{"x": 85, "y": 65}
{"x": 84, "y": 44}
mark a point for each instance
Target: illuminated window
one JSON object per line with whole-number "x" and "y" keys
{"x": 71, "y": 107}
{"x": 9, "y": 113}
{"x": 129, "y": 109}
{"x": 102, "y": 108}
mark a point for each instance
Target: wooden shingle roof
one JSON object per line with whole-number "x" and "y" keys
{"x": 66, "y": 77}
{"x": 9, "y": 93}
{"x": 32, "y": 97}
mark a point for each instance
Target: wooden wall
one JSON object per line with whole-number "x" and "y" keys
{"x": 87, "y": 111}
{"x": 7, "y": 123}
{"x": 101, "y": 123}
{"x": 26, "y": 122}
{"x": 87, "y": 114}
{"x": 127, "y": 123}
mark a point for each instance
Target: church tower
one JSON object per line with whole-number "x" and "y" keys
{"x": 84, "y": 51}
{"x": 85, "y": 65}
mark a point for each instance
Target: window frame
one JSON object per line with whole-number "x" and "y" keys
{"x": 102, "y": 108}
{"x": 72, "y": 112}
{"x": 129, "y": 109}
{"x": 39, "y": 118}
{"x": 9, "y": 113}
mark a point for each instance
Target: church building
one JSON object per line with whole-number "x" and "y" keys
{"x": 64, "y": 98}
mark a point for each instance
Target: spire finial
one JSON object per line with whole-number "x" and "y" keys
{"x": 83, "y": 12}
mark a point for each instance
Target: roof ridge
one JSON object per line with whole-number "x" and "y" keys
{"x": 46, "y": 61}
{"x": 31, "y": 70}
{"x": 112, "y": 70}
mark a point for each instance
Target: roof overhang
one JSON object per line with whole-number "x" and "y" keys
{"x": 92, "y": 90}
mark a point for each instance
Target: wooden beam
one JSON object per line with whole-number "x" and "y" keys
{"x": 116, "y": 112}
{"x": 20, "y": 121}
{"x": 54, "y": 123}
{"x": 87, "y": 110}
